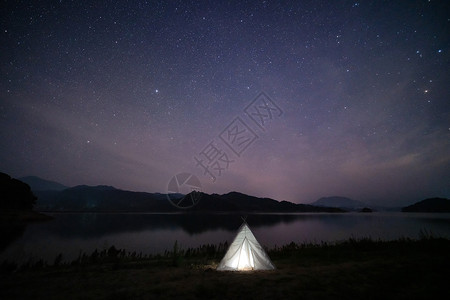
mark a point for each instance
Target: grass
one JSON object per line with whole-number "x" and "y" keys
{"x": 363, "y": 268}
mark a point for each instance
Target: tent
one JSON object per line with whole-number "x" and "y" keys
{"x": 245, "y": 253}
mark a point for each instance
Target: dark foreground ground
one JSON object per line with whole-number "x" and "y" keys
{"x": 355, "y": 269}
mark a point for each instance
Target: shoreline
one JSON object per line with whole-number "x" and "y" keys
{"x": 24, "y": 216}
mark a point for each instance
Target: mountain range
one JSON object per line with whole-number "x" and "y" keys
{"x": 53, "y": 196}
{"x": 39, "y": 184}
{"x": 108, "y": 198}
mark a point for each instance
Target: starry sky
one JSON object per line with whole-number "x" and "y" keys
{"x": 292, "y": 100}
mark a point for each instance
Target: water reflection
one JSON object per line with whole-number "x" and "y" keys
{"x": 97, "y": 225}
{"x": 100, "y": 224}
{"x": 71, "y": 234}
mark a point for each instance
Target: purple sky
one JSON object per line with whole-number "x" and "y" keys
{"x": 130, "y": 94}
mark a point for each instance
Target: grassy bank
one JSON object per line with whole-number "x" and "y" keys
{"x": 363, "y": 268}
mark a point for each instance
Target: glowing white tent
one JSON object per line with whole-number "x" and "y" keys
{"x": 245, "y": 253}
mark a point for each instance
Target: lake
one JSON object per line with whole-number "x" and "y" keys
{"x": 72, "y": 233}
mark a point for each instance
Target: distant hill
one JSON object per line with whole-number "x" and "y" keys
{"x": 340, "y": 202}
{"x": 432, "y": 205}
{"x": 101, "y": 198}
{"x": 39, "y": 184}
{"x": 238, "y": 202}
{"x": 107, "y": 198}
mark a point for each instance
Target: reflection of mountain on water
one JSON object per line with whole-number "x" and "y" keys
{"x": 99, "y": 224}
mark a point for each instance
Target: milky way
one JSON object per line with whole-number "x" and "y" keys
{"x": 130, "y": 94}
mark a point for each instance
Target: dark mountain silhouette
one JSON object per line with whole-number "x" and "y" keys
{"x": 15, "y": 194}
{"x": 39, "y": 184}
{"x": 101, "y": 198}
{"x": 107, "y": 198}
{"x": 235, "y": 201}
{"x": 340, "y": 202}
{"x": 432, "y": 205}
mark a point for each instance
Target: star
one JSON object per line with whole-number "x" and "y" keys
{"x": 104, "y": 75}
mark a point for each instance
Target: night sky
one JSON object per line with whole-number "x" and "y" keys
{"x": 292, "y": 101}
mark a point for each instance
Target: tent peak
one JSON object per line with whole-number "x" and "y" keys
{"x": 245, "y": 253}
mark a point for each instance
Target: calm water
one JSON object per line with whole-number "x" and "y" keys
{"x": 153, "y": 233}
